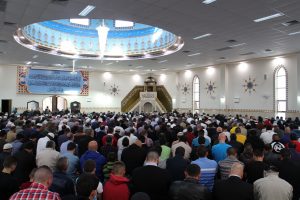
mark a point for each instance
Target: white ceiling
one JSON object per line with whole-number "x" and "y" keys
{"x": 224, "y": 19}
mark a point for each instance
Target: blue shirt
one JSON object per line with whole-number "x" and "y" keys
{"x": 208, "y": 171}
{"x": 73, "y": 164}
{"x": 219, "y": 151}
{"x": 64, "y": 147}
{"x": 196, "y": 144}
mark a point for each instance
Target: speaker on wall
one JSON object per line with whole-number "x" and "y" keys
{"x": 265, "y": 76}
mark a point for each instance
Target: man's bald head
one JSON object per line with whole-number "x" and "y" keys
{"x": 43, "y": 175}
{"x": 237, "y": 169}
{"x": 93, "y": 145}
{"x": 222, "y": 137}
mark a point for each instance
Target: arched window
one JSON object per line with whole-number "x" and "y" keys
{"x": 280, "y": 92}
{"x": 196, "y": 95}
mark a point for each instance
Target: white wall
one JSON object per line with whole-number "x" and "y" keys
{"x": 230, "y": 78}
{"x": 100, "y": 97}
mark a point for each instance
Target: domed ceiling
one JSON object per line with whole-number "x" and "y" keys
{"x": 98, "y": 39}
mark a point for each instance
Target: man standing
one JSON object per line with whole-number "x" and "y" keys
{"x": 208, "y": 168}
{"x": 182, "y": 142}
{"x": 225, "y": 165}
{"x": 233, "y": 188}
{"x": 8, "y": 184}
{"x": 151, "y": 179}
{"x": 219, "y": 151}
{"x": 189, "y": 189}
{"x": 93, "y": 154}
{"x": 177, "y": 165}
{"x": 272, "y": 187}
{"x": 41, "y": 145}
{"x": 39, "y": 188}
{"x": 48, "y": 156}
{"x": 116, "y": 187}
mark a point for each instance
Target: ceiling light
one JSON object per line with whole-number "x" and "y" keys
{"x": 294, "y": 33}
{"x": 162, "y": 61}
{"x": 28, "y": 62}
{"x": 189, "y": 65}
{"x": 138, "y": 67}
{"x": 194, "y": 54}
{"x": 164, "y": 69}
{"x": 81, "y": 21}
{"x": 123, "y": 24}
{"x": 237, "y": 45}
{"x": 208, "y": 1}
{"x": 269, "y": 17}
{"x": 202, "y": 36}
{"x": 35, "y": 56}
{"x": 87, "y": 10}
{"x": 109, "y": 63}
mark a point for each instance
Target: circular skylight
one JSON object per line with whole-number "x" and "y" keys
{"x": 98, "y": 39}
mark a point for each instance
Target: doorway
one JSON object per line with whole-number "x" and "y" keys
{"x": 6, "y": 105}
{"x": 55, "y": 103}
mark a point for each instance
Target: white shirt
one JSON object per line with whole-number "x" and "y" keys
{"x": 267, "y": 136}
{"x": 186, "y": 147}
{"x": 41, "y": 145}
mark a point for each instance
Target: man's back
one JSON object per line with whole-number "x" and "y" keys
{"x": 152, "y": 180}
{"x": 208, "y": 171}
{"x": 47, "y": 157}
{"x": 176, "y": 167}
{"x": 133, "y": 157}
{"x": 35, "y": 191}
{"x": 272, "y": 187}
{"x": 219, "y": 151}
{"x": 189, "y": 189}
{"x": 232, "y": 189}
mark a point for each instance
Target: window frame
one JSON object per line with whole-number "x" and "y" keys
{"x": 193, "y": 94}
{"x": 277, "y": 112}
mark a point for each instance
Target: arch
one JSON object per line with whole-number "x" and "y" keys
{"x": 196, "y": 94}
{"x": 148, "y": 107}
{"x": 32, "y": 105}
{"x": 280, "y": 91}
{"x": 55, "y": 103}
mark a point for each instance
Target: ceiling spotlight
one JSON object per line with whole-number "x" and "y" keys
{"x": 162, "y": 61}
{"x": 208, "y": 1}
{"x": 202, "y": 36}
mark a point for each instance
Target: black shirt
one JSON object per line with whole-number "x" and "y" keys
{"x": 255, "y": 170}
{"x": 8, "y": 186}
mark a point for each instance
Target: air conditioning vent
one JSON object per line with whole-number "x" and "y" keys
{"x": 9, "y": 23}
{"x": 231, "y": 41}
{"x": 246, "y": 54}
{"x": 224, "y": 49}
{"x": 186, "y": 51}
{"x": 3, "y": 41}
{"x": 290, "y": 23}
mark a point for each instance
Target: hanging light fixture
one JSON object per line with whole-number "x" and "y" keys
{"x": 73, "y": 69}
{"x": 102, "y": 37}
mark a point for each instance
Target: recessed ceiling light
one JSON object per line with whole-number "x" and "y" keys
{"x": 162, "y": 61}
{"x": 189, "y": 65}
{"x": 28, "y": 62}
{"x": 109, "y": 63}
{"x": 294, "y": 33}
{"x": 194, "y": 54}
{"x": 202, "y": 36}
{"x": 138, "y": 67}
{"x": 237, "y": 45}
{"x": 87, "y": 10}
{"x": 132, "y": 70}
{"x": 208, "y": 1}
{"x": 35, "y": 56}
{"x": 268, "y": 17}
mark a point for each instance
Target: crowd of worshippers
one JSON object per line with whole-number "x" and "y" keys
{"x": 140, "y": 156}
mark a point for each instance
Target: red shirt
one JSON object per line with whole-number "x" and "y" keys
{"x": 190, "y": 136}
{"x": 116, "y": 188}
{"x": 36, "y": 191}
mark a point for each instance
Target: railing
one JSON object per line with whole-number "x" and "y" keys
{"x": 164, "y": 97}
{"x": 131, "y": 98}
{"x": 161, "y": 105}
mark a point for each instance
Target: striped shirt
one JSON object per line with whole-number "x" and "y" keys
{"x": 225, "y": 166}
{"x": 208, "y": 171}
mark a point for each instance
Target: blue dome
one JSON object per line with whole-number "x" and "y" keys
{"x": 79, "y": 38}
